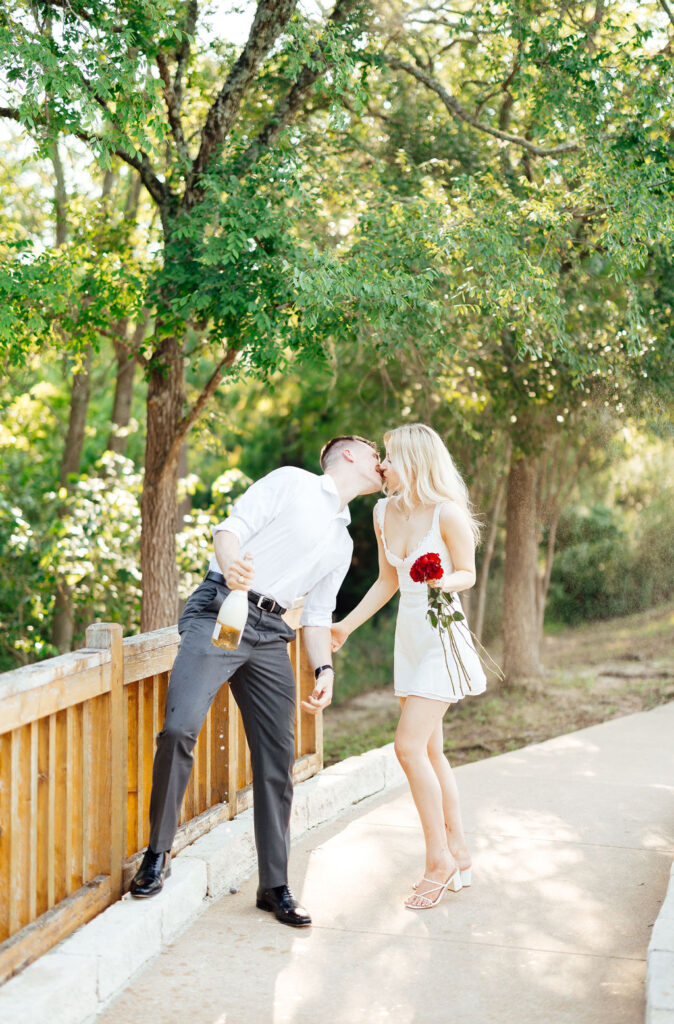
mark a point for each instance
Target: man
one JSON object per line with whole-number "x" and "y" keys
{"x": 286, "y": 537}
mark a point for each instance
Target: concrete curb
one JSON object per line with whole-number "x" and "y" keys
{"x": 75, "y": 980}
{"x": 660, "y": 974}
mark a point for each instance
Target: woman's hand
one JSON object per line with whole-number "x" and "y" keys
{"x": 339, "y": 635}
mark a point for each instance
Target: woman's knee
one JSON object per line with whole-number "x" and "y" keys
{"x": 407, "y": 749}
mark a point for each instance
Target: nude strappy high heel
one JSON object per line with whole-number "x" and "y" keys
{"x": 453, "y": 883}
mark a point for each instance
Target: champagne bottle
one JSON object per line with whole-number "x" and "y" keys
{"x": 231, "y": 620}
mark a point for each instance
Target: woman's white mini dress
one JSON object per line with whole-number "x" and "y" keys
{"x": 419, "y": 667}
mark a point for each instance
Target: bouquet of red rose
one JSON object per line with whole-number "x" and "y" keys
{"x": 444, "y": 616}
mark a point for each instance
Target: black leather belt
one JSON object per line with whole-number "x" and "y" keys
{"x": 267, "y": 604}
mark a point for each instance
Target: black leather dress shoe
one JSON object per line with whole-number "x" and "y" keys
{"x": 153, "y": 870}
{"x": 283, "y": 905}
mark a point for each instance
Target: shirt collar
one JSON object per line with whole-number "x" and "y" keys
{"x": 329, "y": 485}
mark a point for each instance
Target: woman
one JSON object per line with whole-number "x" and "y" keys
{"x": 427, "y": 511}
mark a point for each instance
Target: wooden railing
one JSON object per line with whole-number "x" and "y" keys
{"x": 77, "y": 740}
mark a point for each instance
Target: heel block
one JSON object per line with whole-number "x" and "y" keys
{"x": 455, "y": 883}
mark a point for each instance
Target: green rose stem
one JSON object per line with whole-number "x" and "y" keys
{"x": 441, "y": 614}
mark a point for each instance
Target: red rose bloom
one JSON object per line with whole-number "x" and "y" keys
{"x": 427, "y": 567}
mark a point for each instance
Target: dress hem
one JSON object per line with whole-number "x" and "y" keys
{"x": 444, "y": 700}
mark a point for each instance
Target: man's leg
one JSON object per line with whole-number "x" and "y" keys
{"x": 264, "y": 689}
{"x": 200, "y": 669}
{"x": 198, "y": 672}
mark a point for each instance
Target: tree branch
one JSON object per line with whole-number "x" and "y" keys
{"x": 286, "y": 109}
{"x": 459, "y": 112}
{"x": 270, "y": 19}
{"x": 184, "y": 52}
{"x": 193, "y": 414}
{"x": 172, "y": 106}
{"x": 140, "y": 163}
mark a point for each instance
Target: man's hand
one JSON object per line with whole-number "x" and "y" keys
{"x": 321, "y": 694}
{"x": 240, "y": 573}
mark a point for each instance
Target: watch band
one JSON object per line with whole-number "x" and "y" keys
{"x": 322, "y": 668}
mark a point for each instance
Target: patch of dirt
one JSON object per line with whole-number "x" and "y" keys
{"x": 591, "y": 674}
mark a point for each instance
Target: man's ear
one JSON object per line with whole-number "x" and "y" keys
{"x": 347, "y": 455}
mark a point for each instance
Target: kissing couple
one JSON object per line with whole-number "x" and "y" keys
{"x": 287, "y": 538}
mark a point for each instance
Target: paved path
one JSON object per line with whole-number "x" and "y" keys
{"x": 573, "y": 841}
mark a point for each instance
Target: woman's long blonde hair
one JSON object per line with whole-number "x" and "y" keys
{"x": 427, "y": 472}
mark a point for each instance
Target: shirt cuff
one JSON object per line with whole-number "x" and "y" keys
{"x": 316, "y": 617}
{"x": 236, "y": 526}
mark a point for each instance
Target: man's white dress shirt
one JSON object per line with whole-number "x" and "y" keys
{"x": 290, "y": 522}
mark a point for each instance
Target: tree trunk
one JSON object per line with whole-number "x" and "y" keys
{"x": 185, "y": 506}
{"x": 520, "y": 619}
{"x": 126, "y": 368}
{"x": 543, "y": 582}
{"x": 481, "y": 589}
{"x": 60, "y": 197}
{"x": 121, "y": 407}
{"x": 77, "y": 421}
{"x": 159, "y": 503}
{"x": 63, "y": 624}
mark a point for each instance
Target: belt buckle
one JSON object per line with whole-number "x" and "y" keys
{"x": 265, "y": 603}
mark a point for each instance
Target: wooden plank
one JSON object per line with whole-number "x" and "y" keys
{"x": 87, "y": 784}
{"x": 48, "y": 673}
{"x": 108, "y": 636}
{"x": 5, "y": 831}
{"x": 312, "y": 725}
{"x": 32, "y": 816}
{"x": 53, "y": 926}
{"x": 62, "y": 807}
{"x": 140, "y": 765}
{"x": 74, "y": 800}
{"x": 149, "y": 654}
{"x": 232, "y": 754}
{"x": 99, "y": 803}
{"x": 42, "y": 839}
{"x": 207, "y": 760}
{"x": 51, "y": 814}
{"x": 244, "y": 772}
{"x": 219, "y": 740}
{"x": 133, "y": 781}
{"x": 52, "y": 696}
{"x": 19, "y": 869}
{"x": 305, "y": 767}
{"x": 145, "y": 754}
{"x": 295, "y": 659}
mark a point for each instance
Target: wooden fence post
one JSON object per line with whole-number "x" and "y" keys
{"x": 108, "y": 636}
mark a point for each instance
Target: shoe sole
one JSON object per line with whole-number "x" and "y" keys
{"x": 281, "y": 920}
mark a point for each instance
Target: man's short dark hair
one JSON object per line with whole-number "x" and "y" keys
{"x": 328, "y": 448}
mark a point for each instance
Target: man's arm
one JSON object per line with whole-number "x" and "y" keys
{"x": 238, "y": 571}
{"x": 317, "y": 642}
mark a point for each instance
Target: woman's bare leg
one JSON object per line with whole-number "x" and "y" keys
{"x": 456, "y": 839}
{"x": 418, "y": 720}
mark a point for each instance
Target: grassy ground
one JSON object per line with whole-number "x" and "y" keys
{"x": 592, "y": 674}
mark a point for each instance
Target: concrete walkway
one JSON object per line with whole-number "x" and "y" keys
{"x": 573, "y": 841}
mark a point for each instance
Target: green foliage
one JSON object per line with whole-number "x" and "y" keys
{"x": 616, "y": 559}
{"x": 366, "y": 660}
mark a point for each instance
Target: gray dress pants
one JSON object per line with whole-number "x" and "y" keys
{"x": 262, "y": 682}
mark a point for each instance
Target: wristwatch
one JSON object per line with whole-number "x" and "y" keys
{"x": 322, "y": 668}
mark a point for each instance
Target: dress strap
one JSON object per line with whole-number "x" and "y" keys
{"x": 380, "y": 512}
